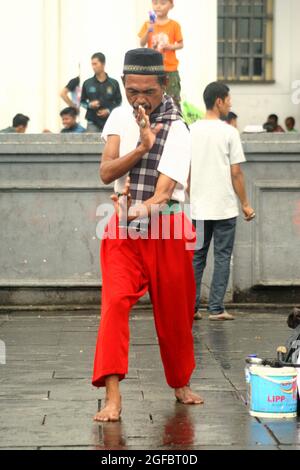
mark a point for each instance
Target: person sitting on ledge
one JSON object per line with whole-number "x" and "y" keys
{"x": 19, "y": 125}
{"x": 69, "y": 121}
{"x": 231, "y": 119}
{"x": 290, "y": 123}
{"x": 272, "y": 124}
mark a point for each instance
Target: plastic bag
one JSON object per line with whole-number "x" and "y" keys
{"x": 191, "y": 113}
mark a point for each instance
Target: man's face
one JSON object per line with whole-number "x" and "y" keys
{"x": 272, "y": 120}
{"x": 162, "y": 7}
{"x": 68, "y": 121}
{"x": 143, "y": 90}
{"x": 97, "y": 66}
{"x": 21, "y": 129}
{"x": 289, "y": 124}
{"x": 224, "y": 106}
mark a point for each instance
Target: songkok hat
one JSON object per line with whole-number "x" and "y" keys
{"x": 144, "y": 61}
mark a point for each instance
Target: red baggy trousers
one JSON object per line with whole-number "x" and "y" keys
{"x": 163, "y": 267}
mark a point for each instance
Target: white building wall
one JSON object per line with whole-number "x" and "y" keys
{"x": 22, "y": 63}
{"x": 253, "y": 103}
{"x": 46, "y": 40}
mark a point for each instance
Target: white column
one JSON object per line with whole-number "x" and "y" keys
{"x": 198, "y": 59}
{"x": 21, "y": 38}
{"x": 102, "y": 27}
{"x": 51, "y": 63}
{"x": 142, "y": 7}
{"x": 54, "y": 36}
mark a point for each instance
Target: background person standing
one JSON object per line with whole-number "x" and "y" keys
{"x": 73, "y": 88}
{"x": 100, "y": 95}
{"x": 216, "y": 179}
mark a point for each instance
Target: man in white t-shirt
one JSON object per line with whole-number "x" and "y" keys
{"x": 217, "y": 182}
{"x": 147, "y": 155}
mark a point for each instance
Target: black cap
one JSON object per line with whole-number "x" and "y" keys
{"x": 144, "y": 61}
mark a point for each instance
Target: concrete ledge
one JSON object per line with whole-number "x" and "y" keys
{"x": 272, "y": 144}
{"x": 94, "y": 310}
{"x": 50, "y": 144}
{"x": 49, "y": 195}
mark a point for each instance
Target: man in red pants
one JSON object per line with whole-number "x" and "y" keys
{"x": 147, "y": 155}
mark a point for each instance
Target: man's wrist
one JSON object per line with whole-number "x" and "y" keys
{"x": 142, "y": 149}
{"x": 139, "y": 211}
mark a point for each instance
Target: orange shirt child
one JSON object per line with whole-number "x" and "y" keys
{"x": 169, "y": 33}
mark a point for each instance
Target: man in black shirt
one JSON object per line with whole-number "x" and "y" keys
{"x": 100, "y": 95}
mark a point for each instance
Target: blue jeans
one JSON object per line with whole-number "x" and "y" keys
{"x": 223, "y": 232}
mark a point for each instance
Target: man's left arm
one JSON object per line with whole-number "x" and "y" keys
{"x": 84, "y": 101}
{"x": 163, "y": 194}
{"x": 174, "y": 168}
{"x": 237, "y": 157}
{"x": 116, "y": 99}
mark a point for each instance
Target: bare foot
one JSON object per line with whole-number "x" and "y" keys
{"x": 187, "y": 397}
{"x": 111, "y": 412}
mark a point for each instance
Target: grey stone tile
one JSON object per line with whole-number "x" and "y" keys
{"x": 151, "y": 419}
{"x": 286, "y": 431}
{"x": 64, "y": 424}
{"x": 68, "y": 448}
{"x": 189, "y": 433}
{"x": 18, "y": 448}
{"x": 291, "y": 447}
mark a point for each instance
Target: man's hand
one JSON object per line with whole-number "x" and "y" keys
{"x": 122, "y": 202}
{"x": 103, "y": 113}
{"x": 249, "y": 213}
{"x": 238, "y": 182}
{"x": 123, "y": 208}
{"x": 148, "y": 134}
{"x": 94, "y": 104}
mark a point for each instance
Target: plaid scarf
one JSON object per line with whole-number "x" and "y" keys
{"x": 144, "y": 175}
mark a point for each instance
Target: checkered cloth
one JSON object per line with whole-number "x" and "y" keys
{"x": 144, "y": 175}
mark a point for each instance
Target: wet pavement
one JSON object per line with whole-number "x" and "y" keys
{"x": 47, "y": 401}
